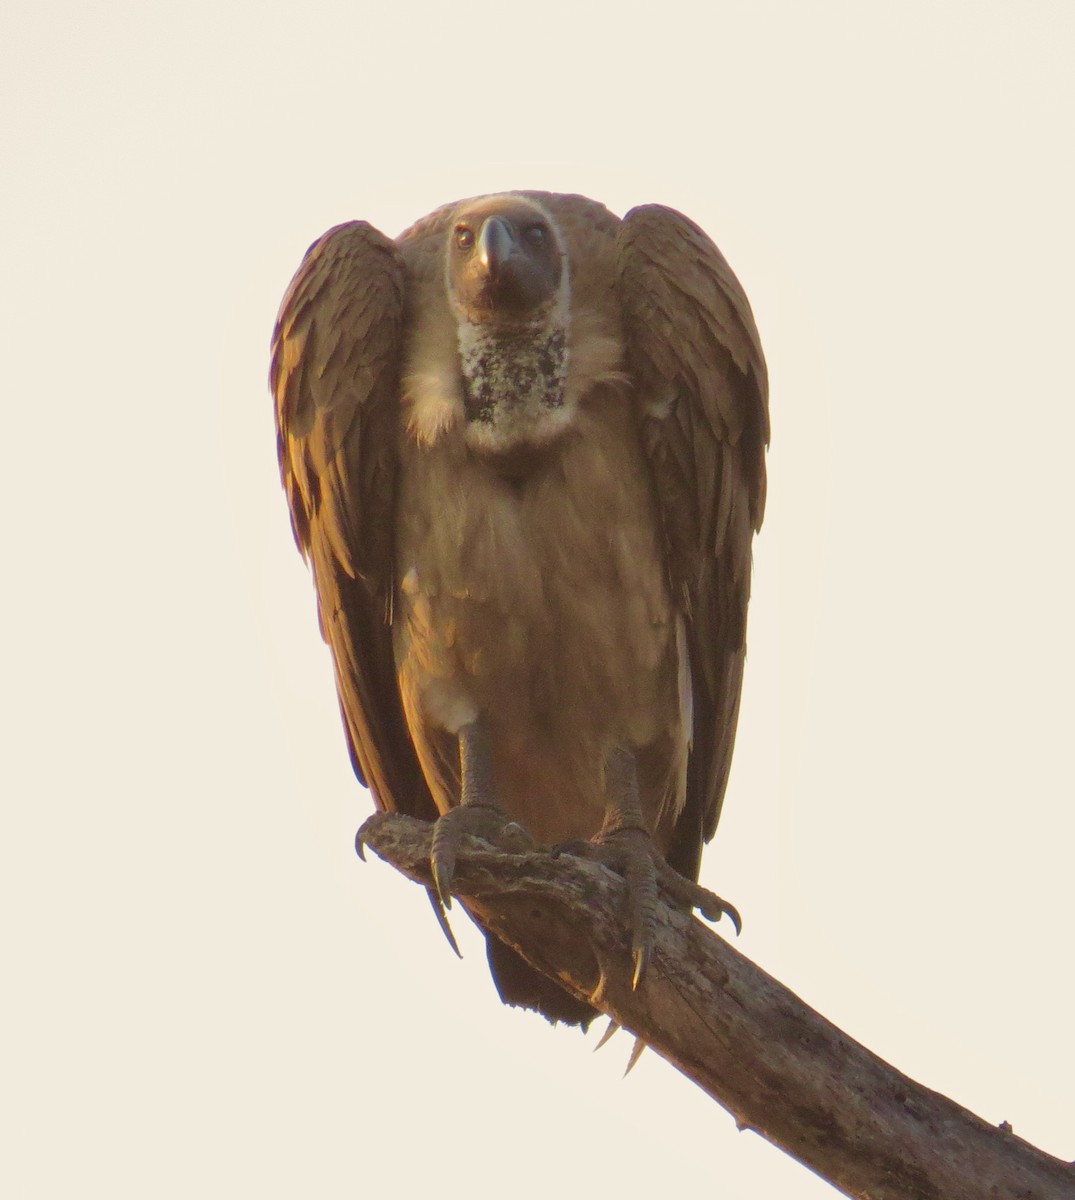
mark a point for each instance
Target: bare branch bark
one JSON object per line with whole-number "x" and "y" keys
{"x": 777, "y": 1066}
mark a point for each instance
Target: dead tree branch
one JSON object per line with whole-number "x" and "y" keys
{"x": 777, "y": 1066}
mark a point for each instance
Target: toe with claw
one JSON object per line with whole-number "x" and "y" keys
{"x": 631, "y": 852}
{"x": 484, "y": 821}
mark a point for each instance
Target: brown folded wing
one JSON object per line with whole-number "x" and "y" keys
{"x": 335, "y": 378}
{"x": 702, "y": 389}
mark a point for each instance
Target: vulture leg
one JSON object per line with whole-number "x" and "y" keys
{"x": 478, "y": 814}
{"x": 625, "y": 845}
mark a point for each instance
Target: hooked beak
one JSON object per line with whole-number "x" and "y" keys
{"x": 496, "y": 244}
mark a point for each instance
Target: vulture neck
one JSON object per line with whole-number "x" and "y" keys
{"x": 514, "y": 383}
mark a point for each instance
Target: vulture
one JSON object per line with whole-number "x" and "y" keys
{"x": 523, "y": 446}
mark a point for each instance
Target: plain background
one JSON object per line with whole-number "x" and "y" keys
{"x": 205, "y": 993}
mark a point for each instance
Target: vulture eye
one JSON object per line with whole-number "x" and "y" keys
{"x": 464, "y": 237}
{"x": 536, "y": 235}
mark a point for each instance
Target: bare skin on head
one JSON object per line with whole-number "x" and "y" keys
{"x": 567, "y": 589}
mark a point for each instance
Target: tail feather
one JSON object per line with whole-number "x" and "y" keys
{"x": 520, "y": 985}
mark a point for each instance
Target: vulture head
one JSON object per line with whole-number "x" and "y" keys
{"x": 508, "y": 287}
{"x": 505, "y": 263}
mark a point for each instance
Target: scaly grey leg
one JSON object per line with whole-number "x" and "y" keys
{"x": 625, "y": 844}
{"x": 478, "y": 813}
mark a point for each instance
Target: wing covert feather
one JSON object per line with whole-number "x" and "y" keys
{"x": 335, "y": 380}
{"x": 697, "y": 361}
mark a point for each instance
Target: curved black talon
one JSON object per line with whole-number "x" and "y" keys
{"x": 362, "y": 835}
{"x": 442, "y": 921}
{"x": 691, "y": 895}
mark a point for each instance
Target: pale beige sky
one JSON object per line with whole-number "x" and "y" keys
{"x": 205, "y": 993}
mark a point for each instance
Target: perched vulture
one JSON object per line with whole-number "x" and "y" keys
{"x": 523, "y": 446}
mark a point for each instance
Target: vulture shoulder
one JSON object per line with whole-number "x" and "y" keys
{"x": 700, "y": 379}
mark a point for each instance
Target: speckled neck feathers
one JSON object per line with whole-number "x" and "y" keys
{"x": 507, "y": 374}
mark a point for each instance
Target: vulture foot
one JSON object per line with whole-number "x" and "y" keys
{"x": 484, "y": 821}
{"x": 632, "y": 853}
